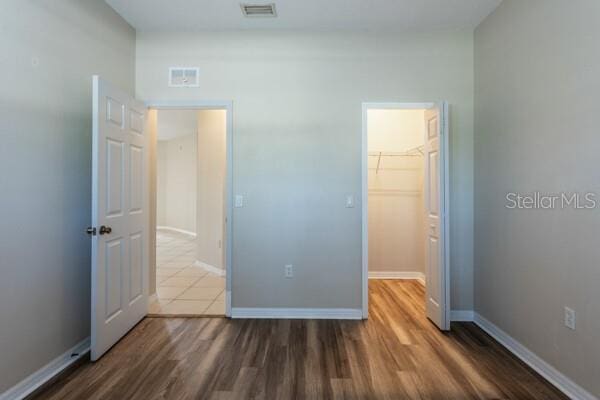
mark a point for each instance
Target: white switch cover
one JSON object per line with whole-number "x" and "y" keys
{"x": 350, "y": 201}
{"x": 239, "y": 201}
{"x": 289, "y": 271}
{"x": 570, "y": 318}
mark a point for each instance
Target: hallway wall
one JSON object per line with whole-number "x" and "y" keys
{"x": 212, "y": 163}
{"x": 177, "y": 182}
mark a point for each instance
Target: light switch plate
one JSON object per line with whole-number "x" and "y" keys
{"x": 239, "y": 201}
{"x": 570, "y": 318}
{"x": 289, "y": 271}
{"x": 349, "y": 201}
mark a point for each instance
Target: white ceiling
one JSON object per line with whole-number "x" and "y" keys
{"x": 172, "y": 124}
{"x": 373, "y": 15}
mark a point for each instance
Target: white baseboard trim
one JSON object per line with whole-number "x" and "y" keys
{"x": 210, "y": 268}
{"x": 397, "y": 275}
{"x": 555, "y": 377}
{"x": 296, "y": 313}
{"x": 47, "y": 372}
{"x": 170, "y": 228}
{"x": 462, "y": 315}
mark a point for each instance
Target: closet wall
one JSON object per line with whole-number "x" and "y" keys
{"x": 396, "y": 211}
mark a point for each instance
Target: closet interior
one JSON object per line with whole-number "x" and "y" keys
{"x": 396, "y": 212}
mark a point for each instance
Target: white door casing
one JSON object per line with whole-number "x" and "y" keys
{"x": 120, "y": 201}
{"x": 435, "y": 219}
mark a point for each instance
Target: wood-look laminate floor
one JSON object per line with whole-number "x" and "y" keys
{"x": 396, "y": 354}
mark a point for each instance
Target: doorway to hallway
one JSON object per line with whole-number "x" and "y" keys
{"x": 191, "y": 212}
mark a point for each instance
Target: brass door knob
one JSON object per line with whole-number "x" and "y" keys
{"x": 105, "y": 230}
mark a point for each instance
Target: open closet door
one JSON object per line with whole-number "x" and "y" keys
{"x": 435, "y": 218}
{"x": 120, "y": 195}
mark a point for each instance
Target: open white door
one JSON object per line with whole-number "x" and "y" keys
{"x": 435, "y": 218}
{"x": 120, "y": 195}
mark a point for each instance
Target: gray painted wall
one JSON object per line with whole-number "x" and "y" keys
{"x": 296, "y": 146}
{"x": 50, "y": 49}
{"x": 536, "y": 129}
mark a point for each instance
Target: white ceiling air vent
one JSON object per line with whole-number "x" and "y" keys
{"x": 184, "y": 77}
{"x": 259, "y": 10}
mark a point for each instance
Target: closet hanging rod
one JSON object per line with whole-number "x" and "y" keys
{"x": 415, "y": 151}
{"x": 395, "y": 155}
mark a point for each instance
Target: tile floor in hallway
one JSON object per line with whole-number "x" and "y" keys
{"x": 184, "y": 289}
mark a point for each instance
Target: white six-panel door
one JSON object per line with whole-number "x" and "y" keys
{"x": 434, "y": 219}
{"x": 120, "y": 178}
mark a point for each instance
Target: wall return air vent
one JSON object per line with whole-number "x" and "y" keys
{"x": 259, "y": 10}
{"x": 184, "y": 77}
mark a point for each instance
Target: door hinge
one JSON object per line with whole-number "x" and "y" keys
{"x": 91, "y": 231}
